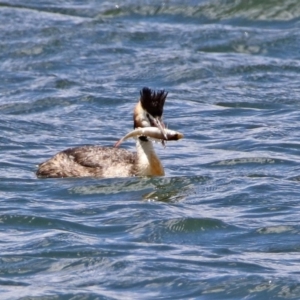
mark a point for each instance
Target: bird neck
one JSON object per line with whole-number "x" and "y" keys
{"x": 148, "y": 163}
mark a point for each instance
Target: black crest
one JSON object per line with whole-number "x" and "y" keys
{"x": 153, "y": 101}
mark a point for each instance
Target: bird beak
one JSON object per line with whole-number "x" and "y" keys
{"x": 157, "y": 122}
{"x": 142, "y": 118}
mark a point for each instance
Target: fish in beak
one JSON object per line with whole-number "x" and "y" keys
{"x": 157, "y": 122}
{"x": 152, "y": 132}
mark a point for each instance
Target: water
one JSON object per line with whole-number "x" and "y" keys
{"x": 224, "y": 221}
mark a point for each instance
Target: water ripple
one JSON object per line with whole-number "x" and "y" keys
{"x": 223, "y": 222}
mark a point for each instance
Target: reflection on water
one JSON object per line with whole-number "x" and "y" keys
{"x": 173, "y": 189}
{"x": 165, "y": 189}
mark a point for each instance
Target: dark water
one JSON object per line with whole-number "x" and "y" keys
{"x": 224, "y": 221}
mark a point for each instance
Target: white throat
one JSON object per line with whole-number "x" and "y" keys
{"x": 148, "y": 163}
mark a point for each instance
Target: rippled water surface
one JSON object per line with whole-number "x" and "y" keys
{"x": 224, "y": 221}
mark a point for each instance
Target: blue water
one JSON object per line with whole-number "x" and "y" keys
{"x": 224, "y": 221}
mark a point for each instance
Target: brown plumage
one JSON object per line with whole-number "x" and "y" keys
{"x": 97, "y": 161}
{"x": 94, "y": 161}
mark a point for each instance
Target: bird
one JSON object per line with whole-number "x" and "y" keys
{"x": 110, "y": 162}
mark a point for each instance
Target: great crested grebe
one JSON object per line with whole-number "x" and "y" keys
{"x": 97, "y": 161}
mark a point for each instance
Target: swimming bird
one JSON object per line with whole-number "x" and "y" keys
{"x": 97, "y": 161}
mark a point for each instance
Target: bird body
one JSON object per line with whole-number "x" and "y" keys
{"x": 97, "y": 161}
